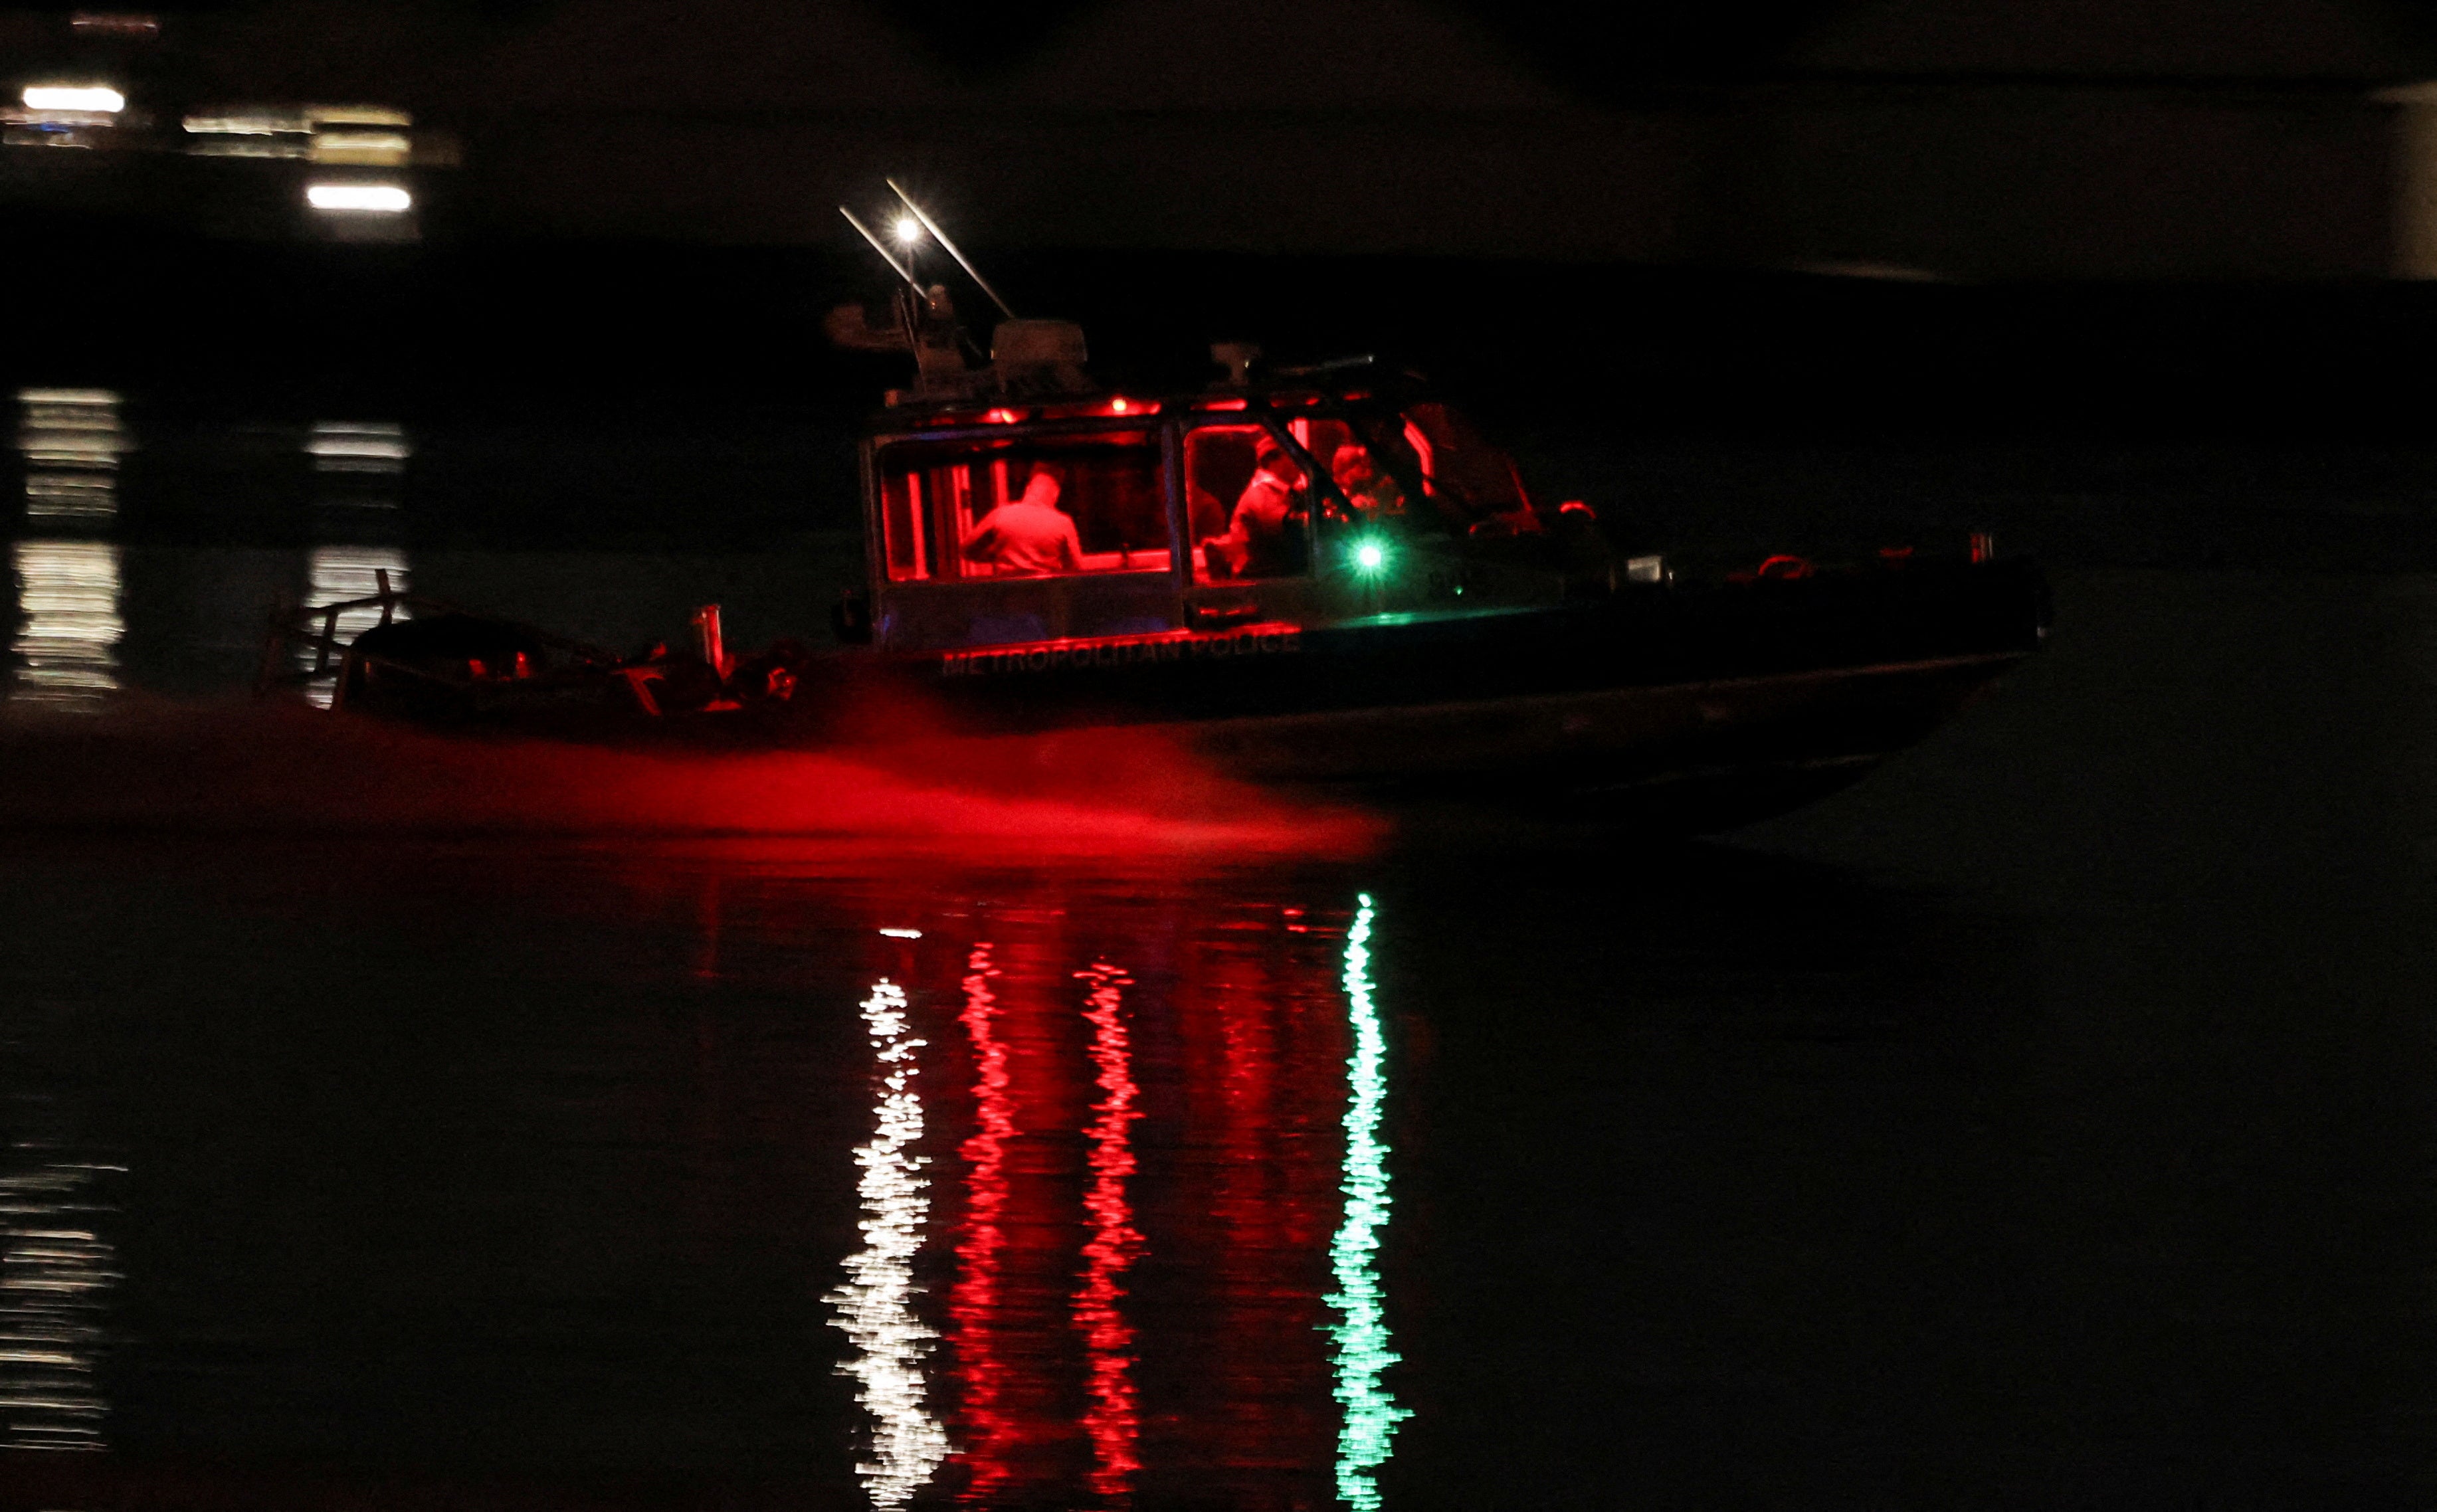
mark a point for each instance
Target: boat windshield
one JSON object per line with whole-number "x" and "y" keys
{"x": 1469, "y": 479}
{"x": 1023, "y": 506}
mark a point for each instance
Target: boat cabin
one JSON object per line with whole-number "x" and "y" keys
{"x": 1108, "y": 516}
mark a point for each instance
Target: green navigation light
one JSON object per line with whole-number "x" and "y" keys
{"x": 1371, "y": 1411}
{"x": 1370, "y": 556}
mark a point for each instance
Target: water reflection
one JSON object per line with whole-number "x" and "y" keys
{"x": 1092, "y": 1142}
{"x": 68, "y": 627}
{"x": 56, "y": 1275}
{"x": 1362, "y": 1352}
{"x": 875, "y": 1308}
{"x": 1141, "y": 1237}
{"x": 72, "y": 440}
{"x": 1111, "y": 1420}
{"x": 991, "y": 1429}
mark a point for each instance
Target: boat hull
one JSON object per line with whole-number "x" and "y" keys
{"x": 1689, "y": 758}
{"x": 1670, "y": 710}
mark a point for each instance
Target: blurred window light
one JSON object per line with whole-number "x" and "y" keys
{"x": 371, "y": 149}
{"x": 71, "y": 428}
{"x": 249, "y": 146}
{"x": 74, "y": 97}
{"x": 72, "y": 440}
{"x": 115, "y": 24}
{"x": 359, "y": 446}
{"x": 256, "y": 123}
{"x": 375, "y": 198}
{"x": 67, "y": 639}
{"x": 321, "y": 116}
{"x": 86, "y": 497}
{"x": 337, "y": 573}
{"x": 57, "y": 1273}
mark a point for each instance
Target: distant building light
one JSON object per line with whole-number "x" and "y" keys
{"x": 359, "y": 446}
{"x": 248, "y": 124}
{"x": 319, "y": 115}
{"x": 384, "y": 148}
{"x": 116, "y": 24}
{"x": 248, "y": 147}
{"x": 378, "y": 198}
{"x": 74, "y": 97}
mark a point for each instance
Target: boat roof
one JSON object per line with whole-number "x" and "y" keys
{"x": 912, "y": 414}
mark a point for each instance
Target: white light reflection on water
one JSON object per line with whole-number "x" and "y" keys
{"x": 337, "y": 573}
{"x": 56, "y": 1275}
{"x": 72, "y": 440}
{"x": 875, "y": 1307}
{"x": 1362, "y": 1353}
{"x": 66, "y": 644}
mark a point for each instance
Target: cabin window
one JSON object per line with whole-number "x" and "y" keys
{"x": 1247, "y": 518}
{"x": 1024, "y": 506}
{"x": 1469, "y": 479}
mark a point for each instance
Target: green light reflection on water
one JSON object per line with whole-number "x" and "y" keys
{"x": 1371, "y": 1411}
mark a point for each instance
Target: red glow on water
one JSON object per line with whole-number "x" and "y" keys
{"x": 990, "y": 1434}
{"x": 268, "y": 768}
{"x": 1113, "y": 1421}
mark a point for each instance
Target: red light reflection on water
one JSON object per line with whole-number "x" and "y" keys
{"x": 990, "y": 1434}
{"x": 1136, "y": 1105}
{"x": 1262, "y": 1085}
{"x": 1112, "y": 1421}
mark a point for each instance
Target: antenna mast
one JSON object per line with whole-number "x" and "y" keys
{"x": 886, "y": 255}
{"x": 941, "y": 237}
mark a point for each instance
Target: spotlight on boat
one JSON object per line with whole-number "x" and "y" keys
{"x": 909, "y": 230}
{"x": 91, "y": 97}
{"x": 375, "y": 198}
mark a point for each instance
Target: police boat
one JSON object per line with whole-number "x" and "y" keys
{"x": 1324, "y": 576}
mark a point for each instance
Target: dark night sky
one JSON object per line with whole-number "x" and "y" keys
{"x": 1629, "y": 48}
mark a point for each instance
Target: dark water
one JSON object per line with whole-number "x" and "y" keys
{"x": 2046, "y": 1121}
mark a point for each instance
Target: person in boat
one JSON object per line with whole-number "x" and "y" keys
{"x": 1030, "y": 537}
{"x": 1374, "y": 494}
{"x": 1259, "y": 539}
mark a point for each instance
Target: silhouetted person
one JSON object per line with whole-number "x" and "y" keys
{"x": 1257, "y": 542}
{"x": 1372, "y": 493}
{"x": 1027, "y": 537}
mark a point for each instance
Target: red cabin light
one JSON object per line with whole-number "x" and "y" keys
{"x": 1002, "y": 417}
{"x": 1223, "y": 404}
